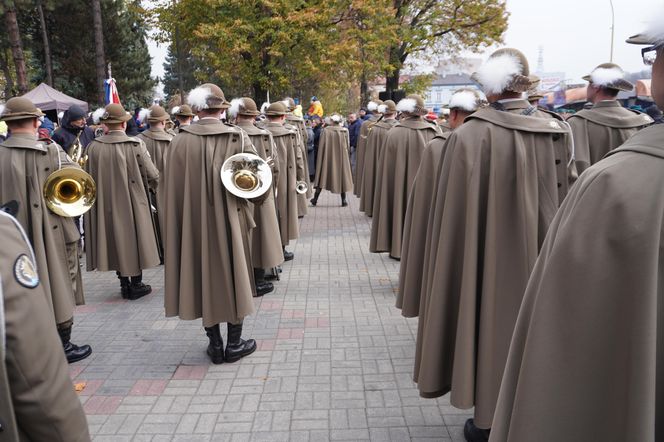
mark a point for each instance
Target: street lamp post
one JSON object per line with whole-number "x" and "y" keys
{"x": 613, "y": 25}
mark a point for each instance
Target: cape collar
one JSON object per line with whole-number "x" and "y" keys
{"x": 24, "y": 141}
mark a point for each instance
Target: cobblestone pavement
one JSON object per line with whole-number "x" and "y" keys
{"x": 334, "y": 358}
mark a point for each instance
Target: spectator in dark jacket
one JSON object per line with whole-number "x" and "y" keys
{"x": 73, "y": 123}
{"x": 317, "y": 126}
{"x": 354, "y": 125}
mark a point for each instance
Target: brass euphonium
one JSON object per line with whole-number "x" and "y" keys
{"x": 70, "y": 192}
{"x": 246, "y": 175}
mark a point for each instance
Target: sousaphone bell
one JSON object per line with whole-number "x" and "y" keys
{"x": 246, "y": 175}
{"x": 70, "y": 192}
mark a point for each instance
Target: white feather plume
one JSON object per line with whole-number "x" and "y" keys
{"x": 464, "y": 100}
{"x": 143, "y": 115}
{"x": 604, "y": 76}
{"x": 497, "y": 73}
{"x": 372, "y": 106}
{"x": 407, "y": 105}
{"x": 175, "y": 110}
{"x": 198, "y": 97}
{"x": 382, "y": 108}
{"x": 336, "y": 118}
{"x": 234, "y": 110}
{"x": 264, "y": 107}
{"x": 96, "y": 115}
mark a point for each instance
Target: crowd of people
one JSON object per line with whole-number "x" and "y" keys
{"x": 529, "y": 244}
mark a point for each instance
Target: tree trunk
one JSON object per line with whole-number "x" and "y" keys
{"x": 17, "y": 48}
{"x": 47, "y": 46}
{"x": 99, "y": 50}
{"x": 9, "y": 81}
{"x": 260, "y": 93}
{"x": 392, "y": 81}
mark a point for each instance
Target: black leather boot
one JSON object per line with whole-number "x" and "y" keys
{"x": 344, "y": 201}
{"x": 262, "y": 286}
{"x": 314, "y": 200}
{"x": 73, "y": 352}
{"x": 137, "y": 289}
{"x": 216, "y": 348}
{"x": 124, "y": 286}
{"x": 474, "y": 434}
{"x": 288, "y": 256}
{"x": 237, "y": 348}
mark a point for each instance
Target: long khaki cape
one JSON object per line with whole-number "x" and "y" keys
{"x": 156, "y": 142}
{"x": 415, "y": 228}
{"x": 601, "y": 129}
{"x": 403, "y": 149}
{"x": 372, "y": 157}
{"x": 291, "y": 170}
{"x": 499, "y": 185}
{"x": 359, "y": 152}
{"x": 587, "y": 356}
{"x": 333, "y": 170}
{"x": 266, "y": 249}
{"x": 119, "y": 231}
{"x": 207, "y": 270}
{"x": 37, "y": 399}
{"x": 25, "y": 164}
{"x": 297, "y": 123}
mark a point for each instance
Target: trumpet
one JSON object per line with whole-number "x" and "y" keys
{"x": 301, "y": 187}
{"x": 70, "y": 192}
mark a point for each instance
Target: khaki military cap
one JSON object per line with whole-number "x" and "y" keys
{"x": 182, "y": 111}
{"x": 157, "y": 113}
{"x": 114, "y": 113}
{"x": 413, "y": 104}
{"x": 388, "y": 107}
{"x": 610, "y": 76}
{"x": 19, "y": 108}
{"x": 276, "y": 108}
{"x": 207, "y": 96}
{"x": 506, "y": 70}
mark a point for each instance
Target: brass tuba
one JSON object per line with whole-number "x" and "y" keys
{"x": 246, "y": 175}
{"x": 77, "y": 151}
{"x": 301, "y": 187}
{"x": 70, "y": 192}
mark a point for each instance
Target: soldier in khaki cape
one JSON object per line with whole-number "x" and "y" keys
{"x": 37, "y": 398}
{"x": 333, "y": 171}
{"x": 463, "y": 103}
{"x": 501, "y": 178}
{"x": 183, "y": 115}
{"x": 402, "y": 152}
{"x": 208, "y": 271}
{"x": 297, "y": 123}
{"x": 120, "y": 229}
{"x": 373, "y": 153}
{"x": 606, "y": 125}
{"x": 586, "y": 358}
{"x": 266, "y": 251}
{"x": 291, "y": 170}
{"x": 374, "y": 116}
{"x": 156, "y": 141}
{"x": 25, "y": 164}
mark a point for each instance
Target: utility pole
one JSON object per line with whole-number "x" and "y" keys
{"x": 613, "y": 26}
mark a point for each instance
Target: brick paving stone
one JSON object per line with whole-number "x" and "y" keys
{"x": 334, "y": 358}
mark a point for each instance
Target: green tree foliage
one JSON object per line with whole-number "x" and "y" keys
{"x": 69, "y": 24}
{"x": 179, "y": 70}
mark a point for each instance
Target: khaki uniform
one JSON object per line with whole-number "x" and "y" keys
{"x": 208, "y": 270}
{"x": 25, "y": 164}
{"x": 333, "y": 170}
{"x": 266, "y": 251}
{"x": 372, "y": 158}
{"x": 402, "y": 152}
{"x": 291, "y": 170}
{"x": 601, "y": 129}
{"x": 499, "y": 183}
{"x": 37, "y": 398}
{"x": 120, "y": 233}
{"x": 420, "y": 204}
{"x": 297, "y": 123}
{"x": 359, "y": 152}
{"x": 156, "y": 141}
{"x": 587, "y": 354}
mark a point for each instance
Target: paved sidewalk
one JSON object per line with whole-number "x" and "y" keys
{"x": 334, "y": 358}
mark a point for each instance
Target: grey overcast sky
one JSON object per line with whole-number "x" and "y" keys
{"x": 574, "y": 34}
